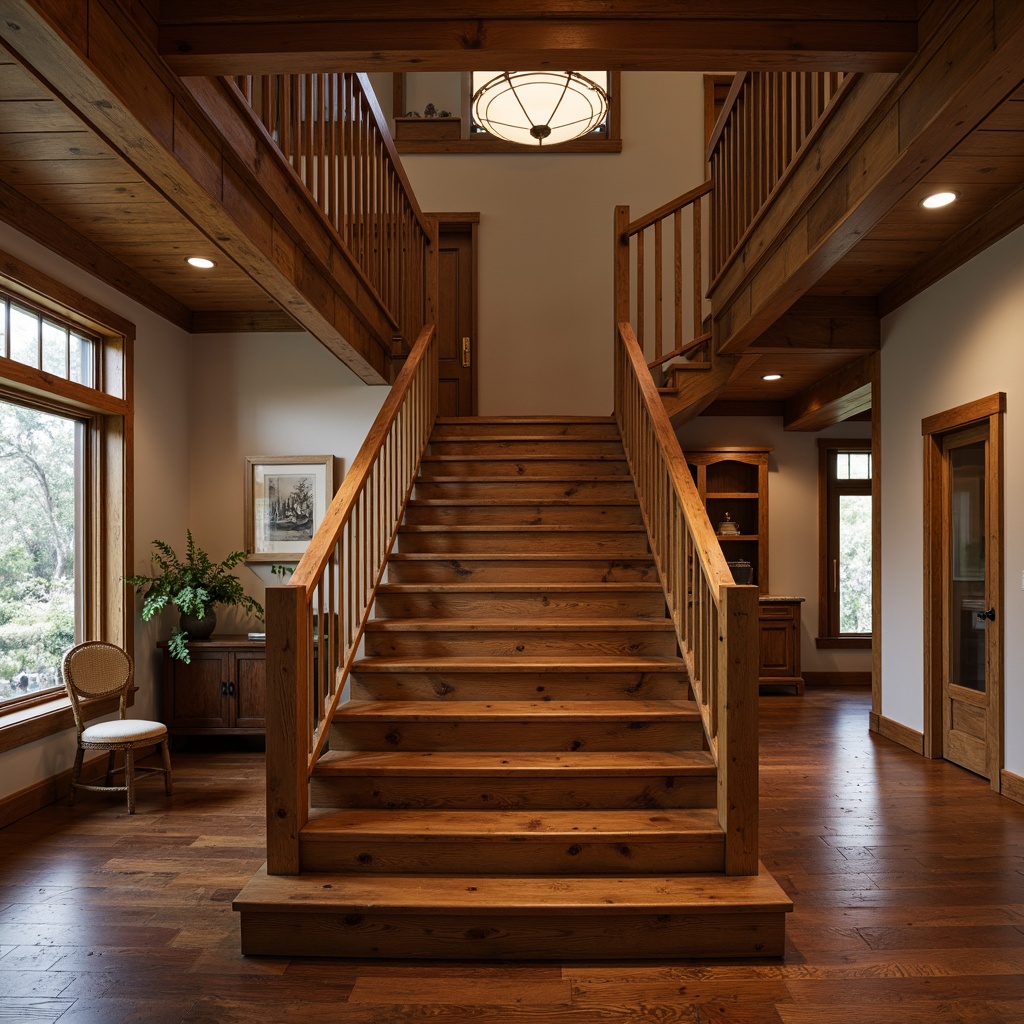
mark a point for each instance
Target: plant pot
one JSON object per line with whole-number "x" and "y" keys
{"x": 198, "y": 629}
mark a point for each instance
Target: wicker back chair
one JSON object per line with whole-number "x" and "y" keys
{"x": 98, "y": 669}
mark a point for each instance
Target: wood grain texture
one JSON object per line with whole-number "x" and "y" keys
{"x": 897, "y": 915}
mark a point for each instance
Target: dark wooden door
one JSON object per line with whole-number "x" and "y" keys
{"x": 457, "y": 318}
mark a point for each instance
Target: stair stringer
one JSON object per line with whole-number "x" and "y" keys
{"x": 698, "y": 387}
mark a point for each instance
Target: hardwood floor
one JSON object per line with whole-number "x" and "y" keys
{"x": 906, "y": 875}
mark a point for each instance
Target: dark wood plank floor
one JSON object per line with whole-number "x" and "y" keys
{"x": 906, "y": 875}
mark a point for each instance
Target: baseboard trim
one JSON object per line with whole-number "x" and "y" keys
{"x": 1011, "y": 786}
{"x": 837, "y": 678}
{"x": 41, "y": 794}
{"x": 898, "y": 733}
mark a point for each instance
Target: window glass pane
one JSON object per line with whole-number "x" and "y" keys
{"x": 83, "y": 357}
{"x": 55, "y": 349}
{"x": 855, "y": 563}
{"x": 24, "y": 337}
{"x": 860, "y": 465}
{"x": 37, "y": 547}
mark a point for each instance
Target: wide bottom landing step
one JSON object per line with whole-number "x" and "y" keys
{"x": 534, "y": 918}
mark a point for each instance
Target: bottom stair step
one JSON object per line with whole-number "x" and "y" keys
{"x": 481, "y": 917}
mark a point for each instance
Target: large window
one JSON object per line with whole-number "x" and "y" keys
{"x": 65, "y": 458}
{"x": 845, "y": 543}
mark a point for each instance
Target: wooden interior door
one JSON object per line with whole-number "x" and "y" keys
{"x": 971, "y": 658}
{"x": 457, "y": 315}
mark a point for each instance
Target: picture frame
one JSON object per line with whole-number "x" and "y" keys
{"x": 286, "y": 498}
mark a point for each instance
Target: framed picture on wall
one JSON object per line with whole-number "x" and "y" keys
{"x": 286, "y": 498}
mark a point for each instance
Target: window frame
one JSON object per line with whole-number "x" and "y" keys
{"x": 829, "y": 491}
{"x": 481, "y": 142}
{"x": 106, "y": 410}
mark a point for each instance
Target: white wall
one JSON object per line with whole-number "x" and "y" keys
{"x": 161, "y": 480}
{"x": 545, "y": 272}
{"x": 792, "y": 516}
{"x": 959, "y": 341}
{"x": 264, "y": 394}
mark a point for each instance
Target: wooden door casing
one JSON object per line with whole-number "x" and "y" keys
{"x": 457, "y": 314}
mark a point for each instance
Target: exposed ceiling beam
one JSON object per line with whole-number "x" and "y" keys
{"x": 223, "y": 37}
{"x": 106, "y": 72}
{"x": 834, "y": 398}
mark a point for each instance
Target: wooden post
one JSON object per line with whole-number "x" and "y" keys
{"x": 621, "y": 266}
{"x": 287, "y": 726}
{"x": 738, "y": 727}
{"x": 432, "y": 274}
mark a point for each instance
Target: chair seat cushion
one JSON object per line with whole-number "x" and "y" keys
{"x": 128, "y": 730}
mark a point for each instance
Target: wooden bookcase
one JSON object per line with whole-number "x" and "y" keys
{"x": 735, "y": 481}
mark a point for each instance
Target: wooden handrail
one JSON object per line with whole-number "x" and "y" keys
{"x": 662, "y": 212}
{"x": 315, "y": 622}
{"x": 331, "y": 131}
{"x": 769, "y": 120}
{"x": 715, "y": 619}
{"x": 676, "y": 353}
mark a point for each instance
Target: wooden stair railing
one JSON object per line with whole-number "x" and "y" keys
{"x": 331, "y": 130}
{"x": 315, "y": 623}
{"x": 715, "y": 619}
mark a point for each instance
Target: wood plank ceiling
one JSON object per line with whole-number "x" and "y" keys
{"x": 63, "y": 184}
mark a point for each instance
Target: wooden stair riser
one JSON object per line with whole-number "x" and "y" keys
{"x": 497, "y": 685}
{"x": 514, "y": 468}
{"x": 440, "y": 568}
{"x": 516, "y": 448}
{"x": 525, "y": 540}
{"x": 640, "y": 791}
{"x": 513, "y": 605}
{"x": 524, "y": 640}
{"x": 554, "y": 488}
{"x": 551, "y": 935}
{"x": 507, "y": 426}
{"x": 570, "y": 512}
{"x": 528, "y": 733}
{"x": 671, "y": 853}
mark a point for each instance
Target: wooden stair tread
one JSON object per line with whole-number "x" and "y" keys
{"x": 523, "y": 528}
{"x": 591, "y": 555}
{"x": 448, "y": 421}
{"x": 519, "y": 588}
{"x": 536, "y": 625}
{"x": 487, "y": 711}
{"x": 539, "y": 478}
{"x": 424, "y": 825}
{"x": 519, "y": 764}
{"x": 540, "y": 502}
{"x": 510, "y": 895}
{"x": 606, "y": 663}
{"x": 517, "y": 438}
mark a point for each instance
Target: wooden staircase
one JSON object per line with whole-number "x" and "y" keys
{"x": 520, "y": 770}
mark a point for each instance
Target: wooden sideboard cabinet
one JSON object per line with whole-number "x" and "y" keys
{"x": 779, "y": 642}
{"x": 221, "y": 692}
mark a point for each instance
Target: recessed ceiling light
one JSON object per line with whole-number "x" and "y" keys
{"x": 772, "y": 376}
{"x": 200, "y": 261}
{"x": 939, "y": 199}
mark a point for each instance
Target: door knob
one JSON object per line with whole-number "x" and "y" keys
{"x": 990, "y": 615}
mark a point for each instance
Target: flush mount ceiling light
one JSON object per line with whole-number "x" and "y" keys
{"x": 201, "y": 262}
{"x": 939, "y": 199}
{"x": 540, "y": 108}
{"x": 772, "y": 376}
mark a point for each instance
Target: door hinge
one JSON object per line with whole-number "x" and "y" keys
{"x": 465, "y": 351}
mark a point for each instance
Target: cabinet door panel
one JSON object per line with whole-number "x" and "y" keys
{"x": 777, "y": 649}
{"x": 195, "y": 692}
{"x": 250, "y": 691}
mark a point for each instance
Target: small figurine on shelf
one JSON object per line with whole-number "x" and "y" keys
{"x": 727, "y": 528}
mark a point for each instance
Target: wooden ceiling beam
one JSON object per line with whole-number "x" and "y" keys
{"x": 224, "y": 37}
{"x": 106, "y": 71}
{"x": 834, "y": 398}
{"x": 847, "y": 184}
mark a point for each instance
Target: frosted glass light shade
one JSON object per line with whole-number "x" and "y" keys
{"x": 539, "y": 108}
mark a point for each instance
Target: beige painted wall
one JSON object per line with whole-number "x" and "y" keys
{"x": 545, "y": 274}
{"x": 161, "y": 482}
{"x": 792, "y": 516}
{"x": 959, "y": 341}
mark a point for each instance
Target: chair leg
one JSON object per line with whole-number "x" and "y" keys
{"x": 75, "y": 773}
{"x": 109, "y": 780}
{"x": 165, "y": 751}
{"x": 129, "y": 778}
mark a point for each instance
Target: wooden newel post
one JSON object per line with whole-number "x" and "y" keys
{"x": 738, "y": 728}
{"x": 432, "y": 274}
{"x": 288, "y": 646}
{"x": 621, "y": 286}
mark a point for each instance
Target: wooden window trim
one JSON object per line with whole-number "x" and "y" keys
{"x": 827, "y": 638}
{"x": 609, "y": 143}
{"x": 108, "y": 412}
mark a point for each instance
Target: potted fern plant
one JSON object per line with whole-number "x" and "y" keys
{"x": 193, "y": 586}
